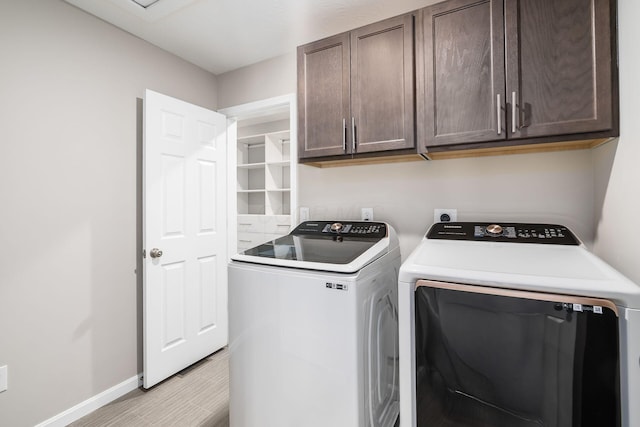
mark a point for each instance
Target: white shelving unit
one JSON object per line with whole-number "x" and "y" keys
{"x": 264, "y": 174}
{"x": 266, "y": 170}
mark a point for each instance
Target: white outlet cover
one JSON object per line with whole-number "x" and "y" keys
{"x": 453, "y": 214}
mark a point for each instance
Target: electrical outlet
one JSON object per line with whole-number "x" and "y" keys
{"x": 445, "y": 215}
{"x": 367, "y": 214}
{"x": 3, "y": 378}
{"x": 304, "y": 214}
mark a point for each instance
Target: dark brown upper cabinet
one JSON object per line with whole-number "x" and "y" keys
{"x": 463, "y": 80}
{"x": 356, "y": 92}
{"x": 497, "y": 73}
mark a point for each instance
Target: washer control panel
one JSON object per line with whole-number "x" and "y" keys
{"x": 503, "y": 232}
{"x": 368, "y": 229}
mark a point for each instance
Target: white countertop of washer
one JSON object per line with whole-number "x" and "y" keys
{"x": 561, "y": 269}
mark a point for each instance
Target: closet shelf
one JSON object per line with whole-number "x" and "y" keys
{"x": 251, "y": 165}
{"x": 280, "y": 163}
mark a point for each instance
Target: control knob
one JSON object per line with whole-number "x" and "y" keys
{"x": 494, "y": 229}
{"x": 336, "y": 227}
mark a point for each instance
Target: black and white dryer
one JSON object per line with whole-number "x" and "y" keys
{"x": 516, "y": 325}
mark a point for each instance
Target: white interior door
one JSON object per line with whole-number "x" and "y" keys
{"x": 185, "y": 235}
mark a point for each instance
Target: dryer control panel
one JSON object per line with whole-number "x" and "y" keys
{"x": 366, "y": 229}
{"x": 504, "y": 232}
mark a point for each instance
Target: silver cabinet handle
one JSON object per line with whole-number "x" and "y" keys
{"x": 498, "y": 115}
{"x": 344, "y": 134}
{"x": 353, "y": 134}
{"x": 155, "y": 253}
{"x": 513, "y": 112}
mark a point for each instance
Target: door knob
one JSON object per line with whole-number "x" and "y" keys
{"x": 155, "y": 253}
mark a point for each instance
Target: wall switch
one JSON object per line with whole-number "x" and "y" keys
{"x": 367, "y": 214}
{"x": 3, "y": 378}
{"x": 445, "y": 215}
{"x": 304, "y": 214}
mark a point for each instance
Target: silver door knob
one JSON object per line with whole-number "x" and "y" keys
{"x": 155, "y": 253}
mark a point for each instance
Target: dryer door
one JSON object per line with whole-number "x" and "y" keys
{"x": 488, "y": 356}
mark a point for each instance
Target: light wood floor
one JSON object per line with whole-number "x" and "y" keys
{"x": 197, "y": 396}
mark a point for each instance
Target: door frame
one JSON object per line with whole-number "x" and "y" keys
{"x": 248, "y": 111}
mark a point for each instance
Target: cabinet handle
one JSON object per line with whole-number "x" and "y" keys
{"x": 498, "y": 106}
{"x": 513, "y": 112}
{"x": 344, "y": 134}
{"x": 353, "y": 134}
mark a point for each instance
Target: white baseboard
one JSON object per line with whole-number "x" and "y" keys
{"x": 93, "y": 403}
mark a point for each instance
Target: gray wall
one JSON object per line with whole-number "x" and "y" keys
{"x": 69, "y": 316}
{"x": 617, "y": 167}
{"x": 273, "y": 77}
{"x": 546, "y": 187}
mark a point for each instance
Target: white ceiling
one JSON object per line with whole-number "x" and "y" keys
{"x": 223, "y": 35}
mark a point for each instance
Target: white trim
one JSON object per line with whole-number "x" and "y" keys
{"x": 232, "y": 196}
{"x": 93, "y": 403}
{"x": 258, "y": 107}
{"x": 293, "y": 155}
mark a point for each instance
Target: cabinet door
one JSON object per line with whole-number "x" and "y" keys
{"x": 382, "y": 86}
{"x": 559, "y": 69}
{"x": 323, "y": 97}
{"x": 461, "y": 73}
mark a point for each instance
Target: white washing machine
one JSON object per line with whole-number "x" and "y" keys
{"x": 516, "y": 325}
{"x": 313, "y": 332}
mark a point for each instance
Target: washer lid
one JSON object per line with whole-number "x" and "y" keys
{"x": 343, "y": 247}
